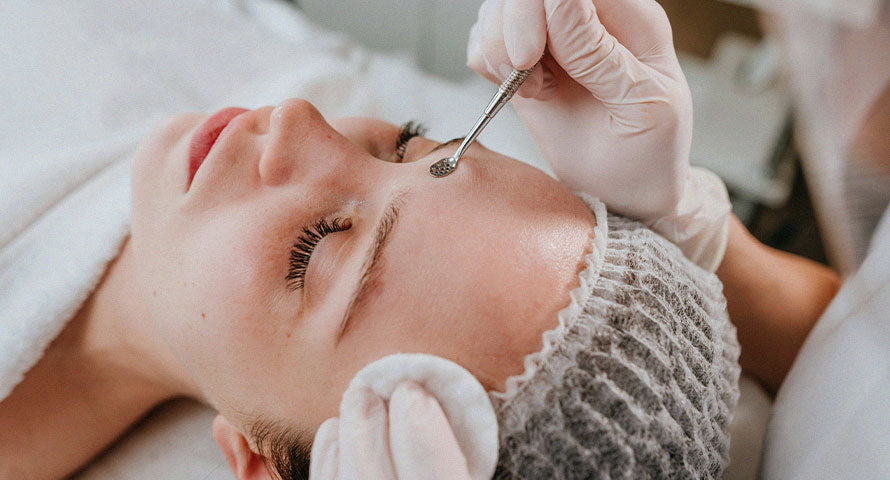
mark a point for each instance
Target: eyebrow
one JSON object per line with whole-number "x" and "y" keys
{"x": 445, "y": 144}
{"x": 371, "y": 266}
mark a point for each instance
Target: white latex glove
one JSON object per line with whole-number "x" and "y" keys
{"x": 411, "y": 439}
{"x": 610, "y": 109}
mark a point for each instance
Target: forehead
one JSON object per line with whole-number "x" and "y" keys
{"x": 476, "y": 269}
{"x": 492, "y": 212}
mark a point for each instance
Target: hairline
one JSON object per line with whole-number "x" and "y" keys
{"x": 285, "y": 449}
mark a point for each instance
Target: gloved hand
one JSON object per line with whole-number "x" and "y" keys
{"x": 413, "y": 439}
{"x": 610, "y": 109}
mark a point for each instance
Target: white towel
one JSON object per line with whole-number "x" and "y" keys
{"x": 70, "y": 225}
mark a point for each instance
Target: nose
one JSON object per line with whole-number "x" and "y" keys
{"x": 298, "y": 134}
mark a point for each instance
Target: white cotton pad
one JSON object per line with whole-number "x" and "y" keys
{"x": 462, "y": 397}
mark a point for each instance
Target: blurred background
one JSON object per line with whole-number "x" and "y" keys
{"x": 783, "y": 110}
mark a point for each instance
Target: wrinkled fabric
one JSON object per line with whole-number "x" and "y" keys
{"x": 638, "y": 380}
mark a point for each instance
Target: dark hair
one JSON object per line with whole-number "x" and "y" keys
{"x": 285, "y": 450}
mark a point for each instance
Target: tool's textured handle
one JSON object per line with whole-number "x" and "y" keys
{"x": 514, "y": 81}
{"x": 507, "y": 89}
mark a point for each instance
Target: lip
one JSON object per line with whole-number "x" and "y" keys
{"x": 205, "y": 136}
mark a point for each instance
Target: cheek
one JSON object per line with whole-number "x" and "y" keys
{"x": 154, "y": 196}
{"x": 209, "y": 292}
{"x": 159, "y": 165}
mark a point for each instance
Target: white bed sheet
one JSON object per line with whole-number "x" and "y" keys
{"x": 91, "y": 72}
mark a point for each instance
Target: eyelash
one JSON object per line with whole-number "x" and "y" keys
{"x": 302, "y": 250}
{"x": 408, "y": 131}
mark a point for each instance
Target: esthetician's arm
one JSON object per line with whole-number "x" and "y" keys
{"x": 774, "y": 298}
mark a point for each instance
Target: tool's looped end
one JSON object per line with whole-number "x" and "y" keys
{"x": 443, "y": 167}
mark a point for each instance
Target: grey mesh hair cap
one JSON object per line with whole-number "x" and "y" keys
{"x": 638, "y": 380}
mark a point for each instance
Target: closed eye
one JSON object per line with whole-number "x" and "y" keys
{"x": 407, "y": 131}
{"x": 301, "y": 252}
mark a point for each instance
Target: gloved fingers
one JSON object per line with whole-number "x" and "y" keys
{"x": 533, "y": 84}
{"x": 589, "y": 54}
{"x": 475, "y": 58}
{"x": 648, "y": 37}
{"x": 548, "y": 77}
{"x": 364, "y": 437}
{"x": 548, "y": 82}
{"x": 486, "y": 51}
{"x": 324, "y": 456}
{"x": 494, "y": 50}
{"x": 510, "y": 33}
{"x": 423, "y": 444}
{"x": 525, "y": 31}
{"x": 640, "y": 25}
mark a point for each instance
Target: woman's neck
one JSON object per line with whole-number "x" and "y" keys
{"x": 114, "y": 333}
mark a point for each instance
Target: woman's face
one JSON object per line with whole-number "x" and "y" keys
{"x": 472, "y": 267}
